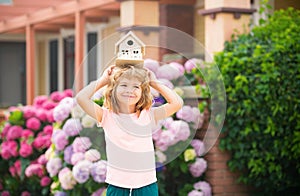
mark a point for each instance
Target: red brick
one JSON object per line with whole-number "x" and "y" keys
{"x": 217, "y": 157}
{"x": 217, "y": 189}
{"x": 238, "y": 188}
{"x": 219, "y": 182}
{"x": 215, "y": 174}
{"x": 217, "y": 165}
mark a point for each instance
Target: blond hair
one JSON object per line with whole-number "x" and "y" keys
{"x": 128, "y": 71}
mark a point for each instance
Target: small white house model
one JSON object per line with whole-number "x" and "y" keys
{"x": 130, "y": 50}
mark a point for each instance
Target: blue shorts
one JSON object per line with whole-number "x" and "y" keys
{"x": 149, "y": 190}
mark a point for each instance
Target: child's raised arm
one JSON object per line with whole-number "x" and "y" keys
{"x": 174, "y": 101}
{"x": 83, "y": 97}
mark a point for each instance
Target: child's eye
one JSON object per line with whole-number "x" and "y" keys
{"x": 136, "y": 87}
{"x": 123, "y": 85}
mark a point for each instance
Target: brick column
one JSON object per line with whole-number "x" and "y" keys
{"x": 222, "y": 19}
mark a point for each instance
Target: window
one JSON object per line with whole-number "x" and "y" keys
{"x": 53, "y": 65}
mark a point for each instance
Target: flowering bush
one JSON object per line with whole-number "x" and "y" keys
{"x": 183, "y": 175}
{"x": 24, "y": 138}
{"x": 75, "y": 159}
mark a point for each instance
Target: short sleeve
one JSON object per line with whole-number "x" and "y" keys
{"x": 104, "y": 116}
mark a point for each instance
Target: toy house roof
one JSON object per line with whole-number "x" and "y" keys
{"x": 129, "y": 34}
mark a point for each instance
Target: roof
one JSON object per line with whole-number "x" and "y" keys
{"x": 130, "y": 33}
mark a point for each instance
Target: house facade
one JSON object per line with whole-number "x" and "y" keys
{"x": 47, "y": 45}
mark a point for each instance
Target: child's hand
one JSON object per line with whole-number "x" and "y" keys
{"x": 152, "y": 77}
{"x": 108, "y": 72}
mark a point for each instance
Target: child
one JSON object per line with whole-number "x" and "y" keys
{"x": 127, "y": 118}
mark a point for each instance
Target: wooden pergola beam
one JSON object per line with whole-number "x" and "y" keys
{"x": 37, "y": 3}
{"x": 51, "y": 13}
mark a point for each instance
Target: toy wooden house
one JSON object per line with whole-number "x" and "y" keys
{"x": 130, "y": 50}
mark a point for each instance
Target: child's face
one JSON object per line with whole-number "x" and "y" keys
{"x": 128, "y": 91}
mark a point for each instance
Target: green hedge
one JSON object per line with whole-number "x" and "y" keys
{"x": 261, "y": 73}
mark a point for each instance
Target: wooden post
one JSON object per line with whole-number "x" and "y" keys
{"x": 30, "y": 64}
{"x": 79, "y": 49}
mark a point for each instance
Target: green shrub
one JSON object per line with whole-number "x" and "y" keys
{"x": 261, "y": 73}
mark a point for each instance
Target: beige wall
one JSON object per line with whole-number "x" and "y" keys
{"x": 199, "y": 32}
{"x": 41, "y": 68}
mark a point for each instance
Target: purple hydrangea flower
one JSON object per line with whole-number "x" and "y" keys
{"x": 81, "y": 144}
{"x": 198, "y": 167}
{"x": 81, "y": 171}
{"x": 72, "y": 127}
{"x": 98, "y": 171}
{"x": 199, "y": 147}
{"x": 204, "y": 187}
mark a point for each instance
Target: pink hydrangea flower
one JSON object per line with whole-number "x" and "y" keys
{"x": 39, "y": 100}
{"x": 25, "y": 193}
{"x": 5, "y": 130}
{"x": 25, "y": 149}
{"x": 56, "y": 96}
{"x": 41, "y": 114}
{"x": 179, "y": 67}
{"x": 198, "y": 167}
{"x": 9, "y": 149}
{"x": 190, "y": 64}
{"x": 68, "y": 93}
{"x": 15, "y": 169}
{"x": 48, "y": 130}
{"x": 50, "y": 117}
{"x": 33, "y": 124}
{"x": 45, "y": 181}
{"x": 151, "y": 64}
{"x": 5, "y": 193}
{"x": 28, "y": 111}
{"x": 42, "y": 159}
{"x": 48, "y": 105}
{"x": 167, "y": 71}
{"x": 42, "y": 141}
{"x": 34, "y": 169}
{"x": 14, "y": 132}
{"x": 26, "y": 133}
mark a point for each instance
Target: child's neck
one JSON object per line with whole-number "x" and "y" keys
{"x": 127, "y": 110}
